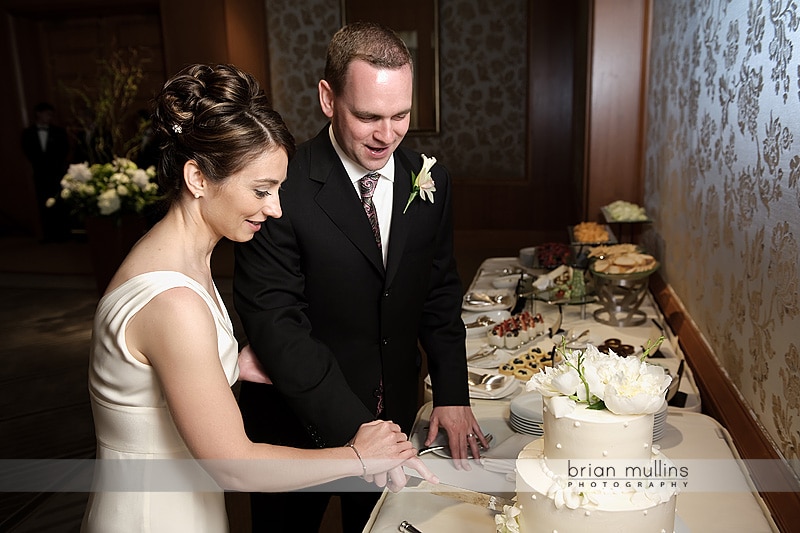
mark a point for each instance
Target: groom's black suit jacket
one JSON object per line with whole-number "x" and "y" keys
{"x": 329, "y": 322}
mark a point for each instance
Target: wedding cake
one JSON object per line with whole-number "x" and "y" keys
{"x": 595, "y": 469}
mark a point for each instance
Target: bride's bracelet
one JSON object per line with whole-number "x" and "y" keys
{"x": 363, "y": 466}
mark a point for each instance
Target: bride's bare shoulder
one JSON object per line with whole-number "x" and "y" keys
{"x": 150, "y": 254}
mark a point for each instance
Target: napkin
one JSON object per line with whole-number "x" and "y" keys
{"x": 502, "y": 458}
{"x": 544, "y": 281}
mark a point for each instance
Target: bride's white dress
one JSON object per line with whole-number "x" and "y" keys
{"x": 132, "y": 422}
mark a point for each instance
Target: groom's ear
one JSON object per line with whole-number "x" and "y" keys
{"x": 326, "y": 100}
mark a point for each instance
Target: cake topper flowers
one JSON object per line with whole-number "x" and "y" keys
{"x": 422, "y": 184}
{"x": 623, "y": 385}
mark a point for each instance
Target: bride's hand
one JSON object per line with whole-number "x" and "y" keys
{"x": 250, "y": 368}
{"x": 384, "y": 450}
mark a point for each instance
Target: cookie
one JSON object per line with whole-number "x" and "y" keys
{"x": 507, "y": 369}
{"x": 523, "y": 373}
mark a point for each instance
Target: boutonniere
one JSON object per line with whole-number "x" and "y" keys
{"x": 422, "y": 184}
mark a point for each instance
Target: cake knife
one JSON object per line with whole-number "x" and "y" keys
{"x": 487, "y": 501}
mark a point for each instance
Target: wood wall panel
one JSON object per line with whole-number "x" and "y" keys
{"x": 618, "y": 52}
{"x": 193, "y": 33}
{"x": 47, "y": 42}
{"x": 545, "y": 200}
{"x": 246, "y": 29}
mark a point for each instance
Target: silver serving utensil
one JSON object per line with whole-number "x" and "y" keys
{"x": 580, "y": 335}
{"x": 494, "y": 382}
{"x": 407, "y": 527}
{"x": 481, "y": 298}
{"x": 483, "y": 353}
{"x": 475, "y": 379}
{"x": 557, "y": 325}
{"x": 482, "y": 320}
{"x": 422, "y": 451}
{"x": 501, "y": 272}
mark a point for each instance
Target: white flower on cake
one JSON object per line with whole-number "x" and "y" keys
{"x": 507, "y": 521}
{"x": 564, "y": 495}
{"x": 623, "y": 385}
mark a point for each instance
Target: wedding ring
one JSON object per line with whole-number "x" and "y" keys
{"x": 470, "y": 435}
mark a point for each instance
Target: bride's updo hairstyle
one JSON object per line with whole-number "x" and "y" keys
{"x": 218, "y": 116}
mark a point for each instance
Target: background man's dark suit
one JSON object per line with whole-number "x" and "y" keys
{"x": 49, "y": 166}
{"x": 329, "y": 322}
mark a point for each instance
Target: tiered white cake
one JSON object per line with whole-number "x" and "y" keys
{"x": 596, "y": 469}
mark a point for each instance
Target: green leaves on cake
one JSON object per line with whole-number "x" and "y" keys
{"x": 623, "y": 385}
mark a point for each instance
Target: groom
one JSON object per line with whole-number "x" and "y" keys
{"x": 338, "y": 294}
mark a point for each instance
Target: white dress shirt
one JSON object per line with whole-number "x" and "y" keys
{"x": 384, "y": 191}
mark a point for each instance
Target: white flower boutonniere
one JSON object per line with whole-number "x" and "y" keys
{"x": 422, "y": 184}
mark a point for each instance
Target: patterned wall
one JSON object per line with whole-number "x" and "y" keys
{"x": 482, "y": 79}
{"x": 722, "y": 172}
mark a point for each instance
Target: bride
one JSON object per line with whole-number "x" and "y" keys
{"x": 164, "y": 355}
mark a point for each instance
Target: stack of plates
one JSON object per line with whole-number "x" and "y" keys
{"x": 659, "y": 421}
{"x": 526, "y": 414}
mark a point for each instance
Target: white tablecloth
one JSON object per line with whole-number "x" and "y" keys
{"x": 687, "y": 435}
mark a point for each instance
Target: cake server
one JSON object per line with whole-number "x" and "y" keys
{"x": 491, "y": 502}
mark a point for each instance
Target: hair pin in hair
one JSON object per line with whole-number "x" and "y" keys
{"x": 177, "y": 128}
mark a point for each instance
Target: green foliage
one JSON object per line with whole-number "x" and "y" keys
{"x": 103, "y": 110}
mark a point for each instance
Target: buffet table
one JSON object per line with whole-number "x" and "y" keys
{"x": 687, "y": 435}
{"x": 575, "y": 318}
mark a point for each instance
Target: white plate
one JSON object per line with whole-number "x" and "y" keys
{"x": 528, "y": 406}
{"x": 506, "y": 282}
{"x": 517, "y": 421}
{"x": 496, "y": 316}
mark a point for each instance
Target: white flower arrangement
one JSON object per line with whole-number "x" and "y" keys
{"x": 623, "y": 385}
{"x": 115, "y": 188}
{"x": 422, "y": 184}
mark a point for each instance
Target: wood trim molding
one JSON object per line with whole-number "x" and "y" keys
{"x": 722, "y": 401}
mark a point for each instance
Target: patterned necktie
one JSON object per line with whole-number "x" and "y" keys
{"x": 367, "y": 186}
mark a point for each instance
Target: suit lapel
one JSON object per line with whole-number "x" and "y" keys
{"x": 339, "y": 200}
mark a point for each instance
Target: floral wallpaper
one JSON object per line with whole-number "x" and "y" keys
{"x": 482, "y": 87}
{"x": 722, "y": 185}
